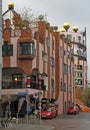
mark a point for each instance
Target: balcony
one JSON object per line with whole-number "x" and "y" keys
{"x": 26, "y": 51}
{"x": 78, "y": 77}
{"x": 79, "y": 82}
{"x": 79, "y": 41}
{"x": 80, "y": 67}
{"x": 27, "y": 56}
{"x": 82, "y": 55}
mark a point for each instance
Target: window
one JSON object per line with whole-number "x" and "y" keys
{"x": 7, "y": 50}
{"x": 79, "y": 67}
{"x": 52, "y": 62}
{"x": 43, "y": 86}
{"x": 73, "y": 39}
{"x": 79, "y": 38}
{"x": 79, "y": 52}
{"x": 53, "y": 44}
{"x": 64, "y": 87}
{"x": 52, "y": 85}
{"x": 33, "y": 82}
{"x": 73, "y": 70}
{"x": 17, "y": 80}
{"x": 61, "y": 51}
{"x": 69, "y": 69}
{"x": 84, "y": 42}
{"x": 68, "y": 53}
{"x": 80, "y": 75}
{"x": 69, "y": 37}
{"x": 72, "y": 51}
{"x": 44, "y": 56}
{"x": 47, "y": 42}
{"x": 27, "y": 48}
{"x": 61, "y": 86}
{"x": 65, "y": 68}
{"x": 17, "y": 77}
{"x": 80, "y": 82}
{"x": 70, "y": 88}
{"x": 64, "y": 53}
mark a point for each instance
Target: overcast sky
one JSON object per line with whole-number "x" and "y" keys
{"x": 75, "y": 12}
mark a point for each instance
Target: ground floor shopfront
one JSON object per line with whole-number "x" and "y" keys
{"x": 22, "y": 102}
{"x": 33, "y": 99}
{"x": 15, "y": 82}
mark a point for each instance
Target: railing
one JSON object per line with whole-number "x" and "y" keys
{"x": 11, "y": 85}
{"x": 32, "y": 119}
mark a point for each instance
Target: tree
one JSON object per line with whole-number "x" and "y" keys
{"x": 85, "y": 96}
{"x": 27, "y": 14}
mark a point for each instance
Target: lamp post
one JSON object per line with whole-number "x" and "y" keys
{"x": 27, "y": 104}
{"x": 9, "y": 110}
{"x": 0, "y": 47}
{"x": 40, "y": 95}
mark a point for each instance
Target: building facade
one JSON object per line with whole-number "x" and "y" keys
{"x": 39, "y": 59}
{"x": 79, "y": 54}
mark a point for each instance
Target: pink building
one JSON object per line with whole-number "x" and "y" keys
{"x": 38, "y": 60}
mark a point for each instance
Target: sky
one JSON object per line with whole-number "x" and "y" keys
{"x": 75, "y": 12}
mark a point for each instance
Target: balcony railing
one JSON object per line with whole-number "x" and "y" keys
{"x": 21, "y": 85}
{"x": 29, "y": 56}
{"x": 80, "y": 54}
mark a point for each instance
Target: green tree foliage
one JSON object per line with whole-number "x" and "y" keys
{"x": 85, "y": 96}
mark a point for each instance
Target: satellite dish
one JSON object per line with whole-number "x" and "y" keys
{"x": 41, "y": 17}
{"x": 55, "y": 28}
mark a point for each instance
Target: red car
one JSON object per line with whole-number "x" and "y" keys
{"x": 49, "y": 112}
{"x": 73, "y": 110}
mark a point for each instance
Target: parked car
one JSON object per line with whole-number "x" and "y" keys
{"x": 48, "y": 112}
{"x": 73, "y": 110}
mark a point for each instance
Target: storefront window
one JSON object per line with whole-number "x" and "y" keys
{"x": 17, "y": 80}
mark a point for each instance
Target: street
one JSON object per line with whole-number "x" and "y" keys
{"x": 63, "y": 122}
{"x": 70, "y": 122}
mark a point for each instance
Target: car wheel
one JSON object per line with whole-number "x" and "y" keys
{"x": 55, "y": 116}
{"x": 78, "y": 112}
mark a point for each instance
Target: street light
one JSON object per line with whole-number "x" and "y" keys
{"x": 9, "y": 110}
{"x": 40, "y": 96}
{"x": 27, "y": 104}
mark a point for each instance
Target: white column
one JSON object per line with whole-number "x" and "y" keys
{"x": 0, "y": 47}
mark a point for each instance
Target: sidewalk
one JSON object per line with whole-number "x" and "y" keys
{"x": 33, "y": 124}
{"x": 29, "y": 127}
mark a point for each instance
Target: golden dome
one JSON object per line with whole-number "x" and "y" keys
{"x": 66, "y": 26}
{"x": 75, "y": 28}
{"x": 10, "y": 4}
{"x": 61, "y": 29}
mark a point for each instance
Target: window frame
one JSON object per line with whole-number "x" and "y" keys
{"x": 27, "y": 48}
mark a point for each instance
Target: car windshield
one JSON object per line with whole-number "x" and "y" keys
{"x": 47, "y": 109}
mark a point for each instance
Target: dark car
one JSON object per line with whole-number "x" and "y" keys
{"x": 48, "y": 112}
{"x": 73, "y": 110}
